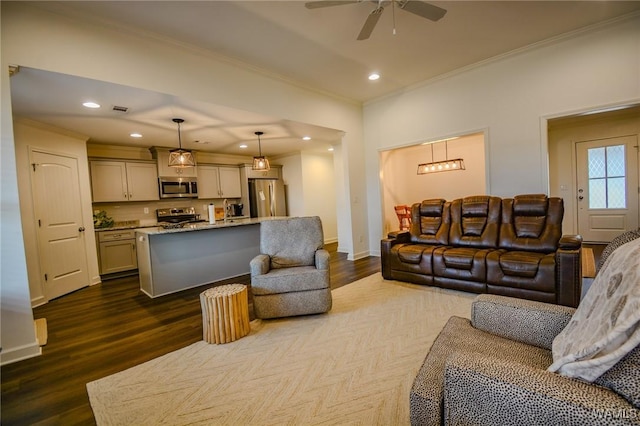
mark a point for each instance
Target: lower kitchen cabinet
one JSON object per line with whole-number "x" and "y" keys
{"x": 117, "y": 251}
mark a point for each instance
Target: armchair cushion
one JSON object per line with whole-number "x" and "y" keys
{"x": 526, "y": 321}
{"x": 291, "y": 242}
{"x": 286, "y": 280}
{"x": 484, "y": 390}
{"x": 606, "y": 325}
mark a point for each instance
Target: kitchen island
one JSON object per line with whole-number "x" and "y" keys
{"x": 172, "y": 260}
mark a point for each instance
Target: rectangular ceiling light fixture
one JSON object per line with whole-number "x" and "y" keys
{"x": 441, "y": 166}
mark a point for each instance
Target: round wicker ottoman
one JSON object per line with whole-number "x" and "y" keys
{"x": 225, "y": 313}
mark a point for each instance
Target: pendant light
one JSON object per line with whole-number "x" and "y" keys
{"x": 180, "y": 158}
{"x": 260, "y": 162}
{"x": 441, "y": 166}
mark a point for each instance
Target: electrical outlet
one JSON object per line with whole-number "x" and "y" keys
{"x": 146, "y": 210}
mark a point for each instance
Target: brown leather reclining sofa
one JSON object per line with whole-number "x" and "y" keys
{"x": 483, "y": 244}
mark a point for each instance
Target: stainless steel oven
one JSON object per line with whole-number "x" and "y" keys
{"x": 178, "y": 187}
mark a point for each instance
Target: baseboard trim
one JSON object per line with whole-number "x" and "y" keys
{"x": 20, "y": 353}
{"x": 358, "y": 256}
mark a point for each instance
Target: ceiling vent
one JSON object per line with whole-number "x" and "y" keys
{"x": 120, "y": 108}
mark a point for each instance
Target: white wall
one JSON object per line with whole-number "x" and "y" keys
{"x": 34, "y": 38}
{"x": 402, "y": 185}
{"x": 310, "y": 182}
{"x": 31, "y": 135}
{"x": 17, "y": 332}
{"x": 508, "y": 97}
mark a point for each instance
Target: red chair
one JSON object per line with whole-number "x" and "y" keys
{"x": 404, "y": 216}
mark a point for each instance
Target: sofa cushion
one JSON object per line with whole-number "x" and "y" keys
{"x": 520, "y": 263}
{"x": 459, "y": 336}
{"x": 414, "y": 258}
{"x": 623, "y": 378}
{"x": 621, "y": 239}
{"x": 462, "y": 263}
{"x": 430, "y": 222}
{"x": 475, "y": 222}
{"x": 531, "y": 223}
{"x": 410, "y": 253}
{"x": 606, "y": 325}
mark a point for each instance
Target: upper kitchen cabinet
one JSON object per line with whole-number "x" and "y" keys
{"x": 273, "y": 173}
{"x": 123, "y": 181}
{"x": 162, "y": 157}
{"x": 219, "y": 182}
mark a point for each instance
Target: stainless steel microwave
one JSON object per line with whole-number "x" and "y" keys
{"x": 178, "y": 187}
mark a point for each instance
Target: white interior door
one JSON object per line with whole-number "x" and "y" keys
{"x": 607, "y": 174}
{"x": 56, "y": 196}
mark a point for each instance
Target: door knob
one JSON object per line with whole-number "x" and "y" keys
{"x": 81, "y": 229}
{"x": 580, "y": 197}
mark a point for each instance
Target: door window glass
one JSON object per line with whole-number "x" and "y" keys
{"x": 607, "y": 189}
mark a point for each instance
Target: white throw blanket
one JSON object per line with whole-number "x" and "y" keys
{"x": 606, "y": 325}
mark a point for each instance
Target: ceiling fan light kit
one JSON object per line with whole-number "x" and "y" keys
{"x": 419, "y": 8}
{"x": 180, "y": 158}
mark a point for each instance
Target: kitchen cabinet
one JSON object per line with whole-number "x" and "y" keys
{"x": 272, "y": 173}
{"x": 117, "y": 251}
{"x": 123, "y": 181}
{"x": 162, "y": 158}
{"x": 219, "y": 182}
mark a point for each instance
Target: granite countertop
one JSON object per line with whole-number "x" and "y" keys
{"x": 128, "y": 224}
{"x": 202, "y": 226}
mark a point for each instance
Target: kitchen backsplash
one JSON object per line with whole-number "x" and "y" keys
{"x": 122, "y": 212}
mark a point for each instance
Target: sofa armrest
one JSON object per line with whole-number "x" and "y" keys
{"x": 259, "y": 265}
{"x": 569, "y": 270}
{"x": 392, "y": 239}
{"x": 399, "y": 236}
{"x": 322, "y": 259}
{"x": 570, "y": 242}
{"x": 526, "y": 321}
{"x": 484, "y": 391}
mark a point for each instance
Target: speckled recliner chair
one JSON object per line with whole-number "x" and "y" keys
{"x": 290, "y": 276}
{"x": 492, "y": 370}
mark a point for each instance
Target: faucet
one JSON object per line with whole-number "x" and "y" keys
{"x": 225, "y": 207}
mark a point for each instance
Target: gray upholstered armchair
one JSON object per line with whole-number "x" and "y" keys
{"x": 492, "y": 370}
{"x": 290, "y": 276}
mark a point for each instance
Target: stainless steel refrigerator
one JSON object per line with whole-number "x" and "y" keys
{"x": 266, "y": 198}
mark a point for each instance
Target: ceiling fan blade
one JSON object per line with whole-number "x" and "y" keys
{"x": 370, "y": 23}
{"x": 420, "y": 8}
{"x": 327, "y": 3}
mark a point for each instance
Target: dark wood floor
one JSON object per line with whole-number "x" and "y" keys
{"x": 106, "y": 328}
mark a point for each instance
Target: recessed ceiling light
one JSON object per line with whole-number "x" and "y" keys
{"x": 90, "y": 104}
{"x": 374, "y": 76}
{"x": 330, "y": 149}
{"x": 136, "y": 135}
{"x": 306, "y": 138}
{"x": 243, "y": 146}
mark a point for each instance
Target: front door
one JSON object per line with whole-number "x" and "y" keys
{"x": 56, "y": 197}
{"x": 607, "y": 173}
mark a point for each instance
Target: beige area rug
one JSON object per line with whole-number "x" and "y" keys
{"x": 354, "y": 365}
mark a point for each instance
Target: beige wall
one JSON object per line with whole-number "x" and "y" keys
{"x": 402, "y": 185}
{"x": 563, "y": 136}
{"x": 509, "y": 97}
{"x": 30, "y": 136}
{"x": 310, "y": 182}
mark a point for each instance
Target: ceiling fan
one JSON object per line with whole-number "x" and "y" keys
{"x": 420, "y": 8}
